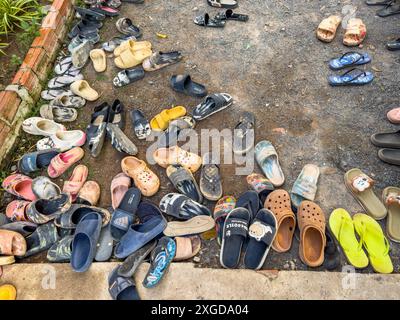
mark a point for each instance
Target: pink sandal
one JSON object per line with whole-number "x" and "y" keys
{"x": 20, "y": 186}
{"x": 63, "y": 161}
{"x": 394, "y": 116}
{"x": 76, "y": 181}
{"x": 16, "y": 209}
{"x": 119, "y": 185}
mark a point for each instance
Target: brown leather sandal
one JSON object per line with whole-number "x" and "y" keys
{"x": 311, "y": 221}
{"x": 278, "y": 202}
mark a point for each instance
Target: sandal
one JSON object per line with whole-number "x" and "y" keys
{"x": 12, "y": 243}
{"x": 353, "y": 77}
{"x": 161, "y": 121}
{"x": 210, "y": 179}
{"x": 61, "y": 251}
{"x": 62, "y": 140}
{"x": 8, "y": 292}
{"x": 41, "y": 239}
{"x": 230, "y": 4}
{"x": 182, "y": 207}
{"x": 129, "y": 58}
{"x": 68, "y": 100}
{"x": 121, "y": 288}
{"x": 243, "y": 139}
{"x": 183, "y": 181}
{"x": 176, "y": 129}
{"x": 391, "y": 9}
{"x": 386, "y": 140}
{"x": 187, "y": 248}
{"x": 221, "y": 210}
{"x": 140, "y": 124}
{"x": 105, "y": 245}
{"x": 195, "y": 225}
{"x": 44, "y": 210}
{"x": 114, "y": 42}
{"x": 260, "y": 184}
{"x": 82, "y": 89}
{"x": 267, "y": 159}
{"x": 390, "y": 197}
{"x": 62, "y": 81}
{"x": 349, "y": 59}
{"x": 71, "y": 218}
{"x": 24, "y": 228}
{"x": 16, "y": 210}
{"x": 185, "y": 84}
{"x": 58, "y": 114}
{"x": 41, "y": 127}
{"x": 133, "y": 46}
{"x": 44, "y": 188}
{"x": 394, "y": 115}
{"x": 161, "y": 59}
{"x": 305, "y": 186}
{"x": 35, "y": 161}
{"x": 52, "y": 94}
{"x": 20, "y": 186}
{"x": 175, "y": 155}
{"x": 126, "y": 27}
{"x": 63, "y": 161}
{"x": 206, "y": 21}
{"x": 76, "y": 181}
{"x": 96, "y": 130}
{"x": 391, "y": 156}
{"x": 128, "y": 76}
{"x": 99, "y": 60}
{"x": 212, "y": 104}
{"x": 130, "y": 265}
{"x": 89, "y": 193}
{"x": 326, "y": 30}
{"x": 230, "y": 15}
{"x": 355, "y": 32}
{"x": 120, "y": 141}
{"x": 119, "y": 186}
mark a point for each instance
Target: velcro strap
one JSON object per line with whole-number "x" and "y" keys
{"x": 262, "y": 232}
{"x": 236, "y": 226}
{"x": 361, "y": 183}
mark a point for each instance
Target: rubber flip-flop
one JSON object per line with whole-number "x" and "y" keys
{"x": 85, "y": 241}
{"x": 41, "y": 239}
{"x": 128, "y": 76}
{"x": 184, "y": 181}
{"x": 243, "y": 134}
{"x": 119, "y": 186}
{"x": 386, "y": 140}
{"x": 63, "y": 161}
{"x": 195, "y": 225}
{"x": 349, "y": 59}
{"x": 221, "y": 210}
{"x": 34, "y": 161}
{"x": 268, "y": 161}
{"x": 250, "y": 201}
{"x": 105, "y": 245}
{"x": 44, "y": 188}
{"x": 234, "y": 236}
{"x": 19, "y": 185}
{"x": 182, "y": 207}
{"x": 374, "y": 242}
{"x": 391, "y": 199}
{"x": 305, "y": 186}
{"x": 262, "y": 232}
{"x": 44, "y": 210}
{"x": 140, "y": 124}
{"x": 185, "y": 84}
{"x": 353, "y": 77}
{"x": 161, "y": 257}
{"x": 342, "y": 226}
{"x": 121, "y": 288}
{"x": 360, "y": 186}
{"x": 61, "y": 251}
{"x": 76, "y": 181}
{"x": 71, "y": 218}
{"x": 130, "y": 265}
{"x": 210, "y": 179}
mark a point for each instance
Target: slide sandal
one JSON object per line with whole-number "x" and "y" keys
{"x": 243, "y": 134}
{"x": 250, "y": 201}
{"x": 391, "y": 156}
{"x": 96, "y": 130}
{"x": 229, "y": 4}
{"x": 130, "y": 58}
{"x": 41, "y": 127}
{"x": 24, "y": 228}
{"x": 62, "y": 140}
{"x": 44, "y": 188}
{"x": 121, "y": 288}
{"x": 391, "y": 9}
{"x": 85, "y": 241}
{"x": 342, "y": 227}
{"x": 132, "y": 45}
{"x": 394, "y": 115}
{"x": 61, "y": 251}
{"x": 374, "y": 242}
{"x": 161, "y": 121}
{"x": 349, "y": 59}
{"x": 105, "y": 245}
{"x": 210, "y": 179}
{"x": 262, "y": 232}
{"x": 326, "y": 30}
{"x": 353, "y": 77}
{"x": 187, "y": 247}
{"x": 20, "y": 186}
{"x": 41, "y": 239}
{"x": 386, "y": 140}
{"x": 171, "y": 136}
{"x": 63, "y": 161}
{"x": 119, "y": 186}
{"x": 305, "y": 186}
{"x": 124, "y": 214}
{"x": 89, "y": 193}
{"x": 331, "y": 252}
{"x": 67, "y": 100}
{"x": 221, "y": 210}
{"x": 234, "y": 236}
{"x": 82, "y": 89}
{"x": 175, "y": 155}
{"x": 12, "y": 243}
{"x": 76, "y": 181}
{"x": 212, "y": 104}
{"x": 141, "y": 125}
{"x": 260, "y": 184}
{"x": 99, "y": 60}
{"x": 267, "y": 159}
{"x": 128, "y": 76}
{"x": 195, "y": 225}
{"x": 70, "y": 219}
{"x": 59, "y": 114}
{"x": 183, "y": 181}
{"x": 34, "y": 161}
{"x": 355, "y": 33}
{"x": 205, "y": 21}
{"x": 62, "y": 81}
{"x": 44, "y": 210}
{"x": 114, "y": 42}
{"x": 16, "y": 210}
{"x": 182, "y": 207}
{"x": 184, "y": 84}
{"x": 161, "y": 59}
{"x": 126, "y": 27}
{"x": 130, "y": 265}
{"x": 161, "y": 258}
{"x": 53, "y": 94}
{"x": 120, "y": 141}
{"x": 391, "y": 199}
{"x": 360, "y": 186}
{"x": 230, "y": 15}
{"x": 279, "y": 203}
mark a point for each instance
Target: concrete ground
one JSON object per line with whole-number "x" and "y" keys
{"x": 273, "y": 66}
{"x": 183, "y": 281}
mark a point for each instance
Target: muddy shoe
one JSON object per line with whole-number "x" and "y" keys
{"x": 58, "y": 114}
{"x": 182, "y": 207}
{"x": 96, "y": 130}
{"x": 126, "y": 26}
{"x": 44, "y": 188}
{"x": 120, "y": 141}
{"x": 41, "y": 239}
{"x": 80, "y": 54}
{"x": 61, "y": 250}
{"x": 161, "y": 59}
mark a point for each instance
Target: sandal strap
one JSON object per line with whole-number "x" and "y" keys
{"x": 361, "y": 183}
{"x": 236, "y": 226}
{"x": 358, "y": 75}
{"x": 262, "y": 232}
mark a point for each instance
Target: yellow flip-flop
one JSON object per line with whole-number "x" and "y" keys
{"x": 374, "y": 242}
{"x": 161, "y": 121}
{"x": 342, "y": 227}
{"x": 8, "y": 292}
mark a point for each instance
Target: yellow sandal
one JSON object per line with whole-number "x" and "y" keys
{"x": 8, "y": 292}
{"x": 161, "y": 121}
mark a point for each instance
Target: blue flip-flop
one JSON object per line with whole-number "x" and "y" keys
{"x": 34, "y": 161}
{"x": 353, "y": 77}
{"x": 161, "y": 258}
{"x": 349, "y": 59}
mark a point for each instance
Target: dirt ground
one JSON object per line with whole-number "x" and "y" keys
{"x": 273, "y": 66}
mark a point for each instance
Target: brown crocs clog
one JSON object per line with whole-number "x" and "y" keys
{"x": 12, "y": 243}
{"x": 278, "y": 202}
{"x": 311, "y": 221}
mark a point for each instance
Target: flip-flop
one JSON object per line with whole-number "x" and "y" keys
{"x": 44, "y": 188}
{"x": 391, "y": 9}
{"x": 260, "y": 184}
{"x": 195, "y": 225}
{"x": 124, "y": 215}
{"x": 210, "y": 179}
{"x": 63, "y": 161}
{"x": 305, "y": 186}
{"x": 62, "y": 140}
{"x": 391, "y": 199}
{"x": 187, "y": 248}
{"x": 61, "y": 251}
{"x": 52, "y": 94}
{"x": 12, "y": 243}
{"x": 243, "y": 134}
{"x": 386, "y": 140}
{"x": 64, "y": 65}
{"x": 374, "y": 242}
{"x": 85, "y": 241}
{"x": 96, "y": 130}
{"x": 212, "y": 104}
{"x": 278, "y": 202}
{"x": 234, "y": 236}
{"x": 221, "y": 210}
{"x": 71, "y": 218}
{"x": 182, "y": 207}
{"x": 41, "y": 239}
{"x": 144, "y": 178}
{"x": 34, "y": 161}
{"x": 140, "y": 125}
{"x": 161, "y": 121}
{"x": 99, "y": 60}
{"x": 105, "y": 245}
{"x": 41, "y": 127}
{"x": 349, "y": 59}
{"x": 262, "y": 232}
{"x": 268, "y": 161}
{"x": 126, "y": 27}
{"x": 355, "y": 33}
{"x": 229, "y": 4}
{"x": 89, "y": 193}
{"x": 250, "y": 201}
{"x": 175, "y": 155}
{"x": 16, "y": 210}
{"x": 360, "y": 186}
{"x": 120, "y": 141}
{"x": 353, "y": 77}
{"x": 326, "y": 30}
{"x": 391, "y": 156}
{"x": 119, "y": 186}
{"x": 311, "y": 220}
{"x": 63, "y": 81}
{"x": 8, "y": 292}
{"x": 44, "y": 210}
{"x": 76, "y": 181}
{"x": 161, "y": 59}
{"x": 19, "y": 185}
{"x": 66, "y": 100}
{"x": 24, "y": 228}
{"x": 185, "y": 84}
{"x": 127, "y": 76}
{"x": 130, "y": 265}
{"x": 183, "y": 181}
{"x": 121, "y": 288}
{"x": 342, "y": 227}
{"x": 230, "y": 15}
{"x": 161, "y": 257}
{"x": 58, "y": 114}
{"x": 82, "y": 89}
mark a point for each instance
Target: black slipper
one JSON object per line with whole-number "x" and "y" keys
{"x": 332, "y": 253}
{"x": 184, "y": 181}
{"x": 170, "y": 136}
{"x": 212, "y": 104}
{"x": 206, "y": 21}
{"x": 393, "y": 45}
{"x": 117, "y": 114}
{"x": 130, "y": 265}
{"x": 121, "y": 288}
{"x": 83, "y": 13}
{"x": 96, "y": 130}
{"x": 230, "y": 15}
{"x": 250, "y": 201}
{"x": 83, "y": 27}
{"x": 140, "y": 124}
{"x": 184, "y": 84}
{"x": 386, "y": 140}
{"x": 243, "y": 134}
{"x": 389, "y": 10}
{"x": 182, "y": 207}
{"x": 41, "y": 239}
{"x": 234, "y": 236}
{"x": 128, "y": 76}
{"x": 391, "y": 156}
{"x": 38, "y": 160}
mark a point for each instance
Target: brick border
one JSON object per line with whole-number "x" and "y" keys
{"x": 32, "y": 74}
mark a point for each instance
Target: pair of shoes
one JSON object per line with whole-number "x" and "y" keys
{"x": 389, "y": 142}
{"x": 131, "y": 53}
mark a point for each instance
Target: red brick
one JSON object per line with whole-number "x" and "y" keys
{"x": 37, "y": 60}
{"x": 4, "y": 132}
{"x": 62, "y": 6}
{"x": 9, "y": 103}
{"x": 28, "y": 79}
{"x": 48, "y": 41}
